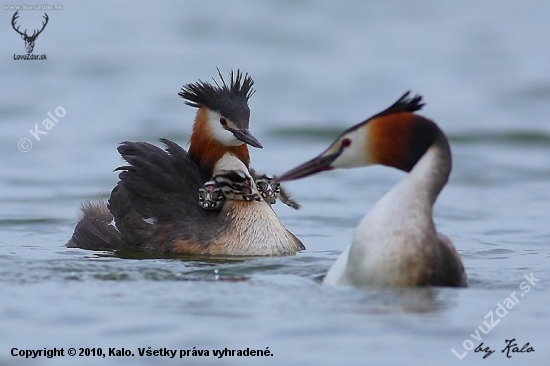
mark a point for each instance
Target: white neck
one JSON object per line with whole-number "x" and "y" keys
{"x": 230, "y": 162}
{"x": 431, "y": 172}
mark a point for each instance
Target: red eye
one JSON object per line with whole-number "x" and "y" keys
{"x": 223, "y": 122}
{"x": 346, "y": 142}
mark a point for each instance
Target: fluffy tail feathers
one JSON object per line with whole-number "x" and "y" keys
{"x": 95, "y": 229}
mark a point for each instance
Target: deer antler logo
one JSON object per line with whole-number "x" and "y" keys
{"x": 29, "y": 40}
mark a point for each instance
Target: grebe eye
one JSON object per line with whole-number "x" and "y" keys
{"x": 223, "y": 122}
{"x": 346, "y": 142}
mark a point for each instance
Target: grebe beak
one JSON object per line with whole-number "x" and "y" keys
{"x": 246, "y": 137}
{"x": 319, "y": 164}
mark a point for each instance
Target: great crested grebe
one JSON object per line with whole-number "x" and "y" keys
{"x": 158, "y": 204}
{"x": 396, "y": 243}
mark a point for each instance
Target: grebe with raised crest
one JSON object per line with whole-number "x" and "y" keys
{"x": 396, "y": 243}
{"x": 159, "y": 201}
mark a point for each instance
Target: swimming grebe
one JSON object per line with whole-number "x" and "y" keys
{"x": 156, "y": 205}
{"x": 396, "y": 243}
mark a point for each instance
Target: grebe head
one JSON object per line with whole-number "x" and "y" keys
{"x": 223, "y": 109}
{"x": 211, "y": 196}
{"x": 269, "y": 189}
{"x": 395, "y": 137}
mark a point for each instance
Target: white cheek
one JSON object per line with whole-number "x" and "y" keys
{"x": 355, "y": 155}
{"x": 349, "y": 159}
{"x": 225, "y": 137}
{"x": 219, "y": 133}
